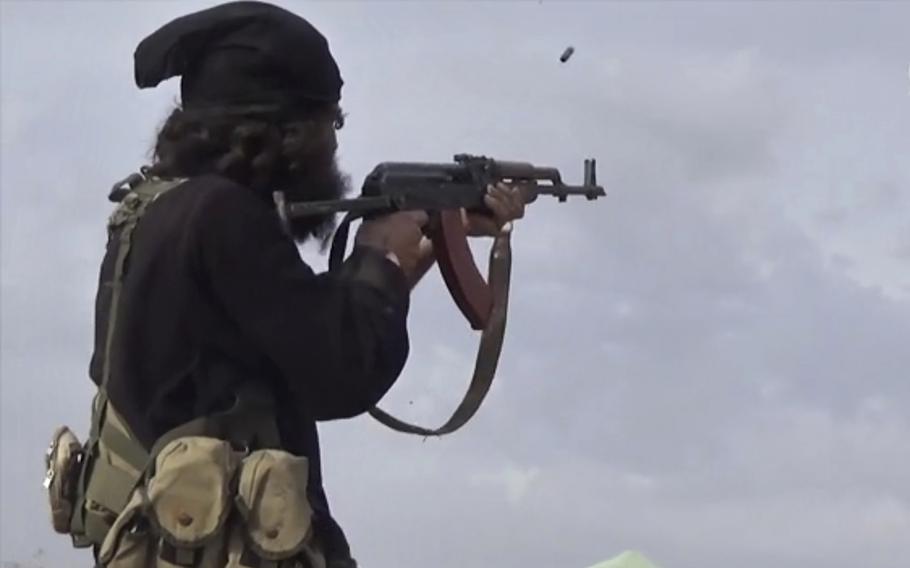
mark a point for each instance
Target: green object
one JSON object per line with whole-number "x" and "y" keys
{"x": 628, "y": 559}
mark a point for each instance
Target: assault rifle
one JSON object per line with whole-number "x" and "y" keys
{"x": 443, "y": 190}
{"x": 401, "y": 186}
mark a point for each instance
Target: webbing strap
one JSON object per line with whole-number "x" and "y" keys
{"x": 111, "y": 487}
{"x": 85, "y": 527}
{"x": 487, "y": 354}
{"x": 128, "y": 214}
{"x": 116, "y": 460}
{"x": 120, "y": 443}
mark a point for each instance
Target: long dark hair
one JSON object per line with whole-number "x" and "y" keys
{"x": 265, "y": 149}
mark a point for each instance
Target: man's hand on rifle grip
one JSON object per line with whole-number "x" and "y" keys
{"x": 398, "y": 235}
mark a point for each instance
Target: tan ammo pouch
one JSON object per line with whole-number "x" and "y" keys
{"x": 62, "y": 461}
{"x": 209, "y": 506}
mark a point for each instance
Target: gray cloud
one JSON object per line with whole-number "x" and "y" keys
{"x": 686, "y": 372}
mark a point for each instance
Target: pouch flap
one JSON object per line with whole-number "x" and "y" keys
{"x": 189, "y": 496}
{"x": 272, "y": 497}
{"x": 129, "y": 520}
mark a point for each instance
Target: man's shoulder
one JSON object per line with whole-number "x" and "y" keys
{"x": 213, "y": 195}
{"x": 216, "y": 207}
{"x": 207, "y": 187}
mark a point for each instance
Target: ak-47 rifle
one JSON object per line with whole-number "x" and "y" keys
{"x": 443, "y": 190}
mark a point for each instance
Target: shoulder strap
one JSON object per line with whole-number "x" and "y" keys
{"x": 133, "y": 203}
{"x": 126, "y": 217}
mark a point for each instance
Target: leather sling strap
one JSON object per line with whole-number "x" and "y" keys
{"x": 487, "y": 355}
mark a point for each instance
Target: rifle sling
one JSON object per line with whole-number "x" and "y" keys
{"x": 487, "y": 354}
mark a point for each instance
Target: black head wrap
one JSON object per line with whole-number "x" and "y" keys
{"x": 241, "y": 53}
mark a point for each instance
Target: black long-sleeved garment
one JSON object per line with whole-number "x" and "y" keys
{"x": 215, "y": 293}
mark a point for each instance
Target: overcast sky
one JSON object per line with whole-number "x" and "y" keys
{"x": 709, "y": 366}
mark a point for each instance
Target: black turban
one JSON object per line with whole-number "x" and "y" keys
{"x": 241, "y": 53}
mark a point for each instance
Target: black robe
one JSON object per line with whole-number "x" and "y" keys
{"x": 215, "y": 293}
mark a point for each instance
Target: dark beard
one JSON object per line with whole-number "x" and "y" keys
{"x": 317, "y": 181}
